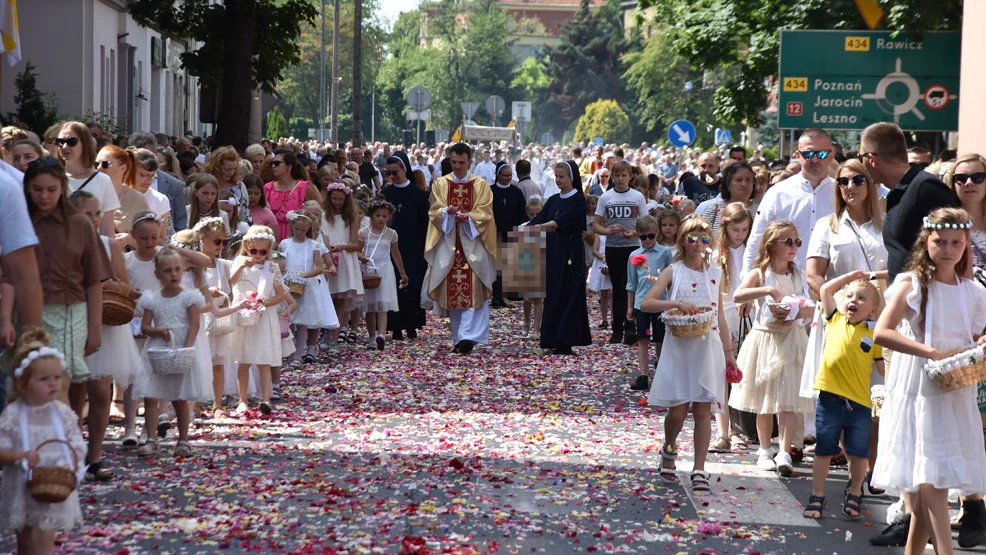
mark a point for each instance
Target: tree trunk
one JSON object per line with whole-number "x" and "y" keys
{"x": 357, "y": 73}
{"x": 237, "y": 83}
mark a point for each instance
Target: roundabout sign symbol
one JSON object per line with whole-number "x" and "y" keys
{"x": 913, "y": 94}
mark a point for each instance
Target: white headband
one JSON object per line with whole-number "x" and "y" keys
{"x": 929, "y": 225}
{"x": 40, "y": 352}
{"x": 295, "y": 214}
{"x": 209, "y": 221}
{"x": 250, "y": 237}
{"x": 151, "y": 217}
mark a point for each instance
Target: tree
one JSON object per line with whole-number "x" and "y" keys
{"x": 532, "y": 26}
{"x": 531, "y": 83}
{"x": 666, "y": 89}
{"x": 245, "y": 44}
{"x": 37, "y": 111}
{"x": 405, "y": 67}
{"x": 604, "y": 118}
{"x": 277, "y": 126}
{"x": 736, "y": 41}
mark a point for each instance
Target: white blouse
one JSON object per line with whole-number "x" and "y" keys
{"x": 851, "y": 248}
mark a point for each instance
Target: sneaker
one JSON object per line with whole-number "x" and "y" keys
{"x": 640, "y": 384}
{"x": 616, "y": 339}
{"x": 275, "y": 394}
{"x": 973, "y": 524}
{"x": 324, "y": 346}
{"x": 785, "y": 466}
{"x": 765, "y": 459}
{"x": 894, "y": 535}
{"x": 381, "y": 342}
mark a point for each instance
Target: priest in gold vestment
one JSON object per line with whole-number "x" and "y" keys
{"x": 460, "y": 251}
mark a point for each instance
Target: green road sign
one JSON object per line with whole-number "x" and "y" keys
{"x": 850, "y": 79}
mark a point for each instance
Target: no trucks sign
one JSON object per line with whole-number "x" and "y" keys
{"x": 850, "y": 79}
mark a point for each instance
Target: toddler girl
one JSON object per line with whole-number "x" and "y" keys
{"x": 597, "y": 280}
{"x": 379, "y": 244}
{"x": 33, "y": 417}
{"x": 533, "y": 302}
{"x": 773, "y": 355}
{"x": 305, "y": 265}
{"x": 670, "y": 220}
{"x": 340, "y": 229}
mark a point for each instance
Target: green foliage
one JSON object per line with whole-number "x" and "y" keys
{"x": 531, "y": 78}
{"x": 737, "y": 40}
{"x": 532, "y": 26}
{"x": 109, "y": 122}
{"x": 37, "y": 111}
{"x": 657, "y": 78}
{"x": 770, "y": 153}
{"x": 604, "y": 118}
{"x": 277, "y": 126}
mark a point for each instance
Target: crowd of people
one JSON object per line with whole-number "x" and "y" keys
{"x": 802, "y": 294}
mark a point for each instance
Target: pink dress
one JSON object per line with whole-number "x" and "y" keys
{"x": 282, "y": 202}
{"x": 262, "y": 215}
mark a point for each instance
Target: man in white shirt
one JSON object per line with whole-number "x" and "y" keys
{"x": 422, "y": 166}
{"x": 485, "y": 168}
{"x": 17, "y": 257}
{"x": 802, "y": 199}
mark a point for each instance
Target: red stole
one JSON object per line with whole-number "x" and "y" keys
{"x": 459, "y": 283}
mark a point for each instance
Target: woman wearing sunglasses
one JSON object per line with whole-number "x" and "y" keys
{"x": 121, "y": 167}
{"x": 76, "y": 150}
{"x": 289, "y": 190}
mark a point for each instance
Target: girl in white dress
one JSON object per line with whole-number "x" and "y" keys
{"x": 257, "y": 279}
{"x": 35, "y": 416}
{"x": 773, "y": 354}
{"x": 690, "y": 371}
{"x": 340, "y": 230}
{"x": 213, "y": 234}
{"x": 379, "y": 244}
{"x": 599, "y": 281}
{"x": 305, "y": 264}
{"x": 117, "y": 359}
{"x": 171, "y": 318}
{"x": 313, "y": 210}
{"x": 734, "y": 229}
{"x": 930, "y": 440}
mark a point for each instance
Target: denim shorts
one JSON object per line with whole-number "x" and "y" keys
{"x": 649, "y": 322}
{"x": 836, "y": 416}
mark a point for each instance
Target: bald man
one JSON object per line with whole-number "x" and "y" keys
{"x": 704, "y": 186}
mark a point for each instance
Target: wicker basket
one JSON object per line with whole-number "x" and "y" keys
{"x": 246, "y": 318}
{"x": 589, "y": 238}
{"x": 685, "y": 326}
{"x": 118, "y": 307}
{"x": 53, "y": 484}
{"x": 604, "y": 270}
{"x": 170, "y": 360}
{"x": 371, "y": 282}
{"x": 218, "y": 327}
{"x": 297, "y": 289}
{"x": 970, "y": 373}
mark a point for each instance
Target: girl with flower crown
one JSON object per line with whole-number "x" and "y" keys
{"x": 340, "y": 232}
{"x": 930, "y": 440}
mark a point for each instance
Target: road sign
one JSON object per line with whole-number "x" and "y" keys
{"x": 598, "y": 141}
{"x": 469, "y": 108}
{"x": 724, "y": 137}
{"x": 681, "y": 133}
{"x": 423, "y": 115}
{"x": 851, "y": 79}
{"x": 495, "y": 105}
{"x": 521, "y": 111}
{"x": 418, "y": 98}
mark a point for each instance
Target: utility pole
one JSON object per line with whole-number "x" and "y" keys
{"x": 357, "y": 73}
{"x": 335, "y": 76}
{"x": 321, "y": 79}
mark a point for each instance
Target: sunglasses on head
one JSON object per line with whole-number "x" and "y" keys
{"x": 276, "y": 163}
{"x": 224, "y": 242}
{"x": 976, "y": 178}
{"x": 792, "y": 242}
{"x": 103, "y": 164}
{"x": 857, "y": 180}
{"x": 47, "y": 161}
{"x": 261, "y": 252}
{"x": 809, "y": 154}
{"x": 649, "y": 236}
{"x": 692, "y": 239}
{"x": 71, "y": 141}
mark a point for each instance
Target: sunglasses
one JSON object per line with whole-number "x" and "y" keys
{"x": 263, "y": 252}
{"x": 276, "y": 163}
{"x": 692, "y": 239}
{"x": 649, "y": 237}
{"x": 47, "y": 162}
{"x": 857, "y": 180}
{"x": 224, "y": 242}
{"x": 863, "y": 155}
{"x": 104, "y": 164}
{"x": 792, "y": 242}
{"x": 809, "y": 154}
{"x": 71, "y": 141}
{"x": 976, "y": 178}
{"x": 392, "y": 173}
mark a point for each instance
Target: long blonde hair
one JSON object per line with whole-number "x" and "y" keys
{"x": 198, "y": 181}
{"x": 872, "y": 209}
{"x": 691, "y": 224}
{"x": 950, "y": 174}
{"x": 770, "y": 236}
{"x": 257, "y": 230}
{"x": 919, "y": 261}
{"x": 734, "y": 213}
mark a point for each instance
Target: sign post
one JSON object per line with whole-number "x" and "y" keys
{"x": 418, "y": 98}
{"x": 851, "y": 79}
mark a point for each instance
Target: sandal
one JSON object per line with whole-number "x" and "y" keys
{"x": 700, "y": 482}
{"x": 668, "y": 475}
{"x": 738, "y": 442}
{"x": 816, "y": 504}
{"x": 148, "y": 449}
{"x": 853, "y": 503}
{"x": 130, "y": 440}
{"x": 117, "y": 416}
{"x": 96, "y": 473}
{"x": 219, "y": 414}
{"x": 308, "y": 359}
{"x": 183, "y": 450}
{"x": 869, "y": 485}
{"x": 720, "y": 445}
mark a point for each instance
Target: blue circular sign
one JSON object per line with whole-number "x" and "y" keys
{"x": 598, "y": 141}
{"x": 681, "y": 133}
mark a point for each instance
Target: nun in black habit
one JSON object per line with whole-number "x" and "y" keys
{"x": 509, "y": 212}
{"x": 410, "y": 221}
{"x": 565, "y": 322}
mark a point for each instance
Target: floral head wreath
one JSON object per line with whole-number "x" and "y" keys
{"x": 182, "y": 245}
{"x": 43, "y": 351}
{"x": 149, "y": 217}
{"x": 295, "y": 214}
{"x": 209, "y": 221}
{"x": 928, "y": 224}
{"x": 250, "y": 237}
{"x": 338, "y": 187}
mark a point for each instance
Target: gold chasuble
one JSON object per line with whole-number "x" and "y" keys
{"x": 461, "y": 272}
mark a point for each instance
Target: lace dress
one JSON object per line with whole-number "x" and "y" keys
{"x": 347, "y": 284}
{"x": 377, "y": 249}
{"x": 218, "y": 277}
{"x": 118, "y": 357}
{"x": 311, "y": 305}
{"x": 928, "y": 436}
{"x": 692, "y": 369}
{"x": 172, "y": 314}
{"x": 19, "y": 509}
{"x": 772, "y": 359}
{"x": 261, "y": 342}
